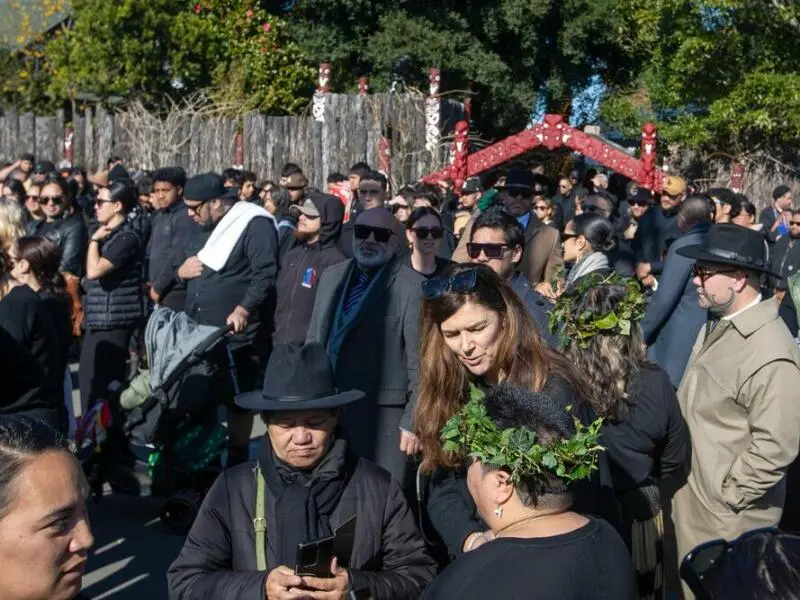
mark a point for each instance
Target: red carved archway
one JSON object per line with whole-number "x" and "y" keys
{"x": 552, "y": 133}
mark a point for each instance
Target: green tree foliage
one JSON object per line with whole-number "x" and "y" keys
{"x": 714, "y": 74}
{"x": 513, "y": 51}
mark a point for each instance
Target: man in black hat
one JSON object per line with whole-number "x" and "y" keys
{"x": 738, "y": 395}
{"x": 172, "y": 228}
{"x": 305, "y": 485}
{"x": 230, "y": 273}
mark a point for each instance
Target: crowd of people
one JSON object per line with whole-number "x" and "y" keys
{"x": 570, "y": 388}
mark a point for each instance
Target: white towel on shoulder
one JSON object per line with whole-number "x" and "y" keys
{"x": 226, "y": 234}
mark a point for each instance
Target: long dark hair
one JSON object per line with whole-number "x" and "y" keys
{"x": 523, "y": 357}
{"x": 44, "y": 258}
{"x": 611, "y": 361}
{"x": 67, "y": 191}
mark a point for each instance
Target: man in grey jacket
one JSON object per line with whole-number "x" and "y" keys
{"x": 366, "y": 314}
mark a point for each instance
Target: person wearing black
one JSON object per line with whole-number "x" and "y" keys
{"x": 318, "y": 228}
{"x": 673, "y": 315}
{"x": 113, "y": 304}
{"x": 30, "y": 367}
{"x": 425, "y": 232}
{"x": 540, "y": 547}
{"x": 496, "y": 240}
{"x": 230, "y": 270}
{"x": 36, "y": 261}
{"x": 672, "y": 196}
{"x": 434, "y": 197}
{"x": 775, "y": 218}
{"x": 644, "y": 245}
{"x": 643, "y": 431}
{"x": 306, "y": 483}
{"x": 786, "y": 254}
{"x": 589, "y": 240}
{"x": 62, "y": 223}
{"x": 371, "y": 193}
{"x": 172, "y": 228}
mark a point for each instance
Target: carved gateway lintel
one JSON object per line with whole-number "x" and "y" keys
{"x": 433, "y": 114}
{"x": 323, "y": 88}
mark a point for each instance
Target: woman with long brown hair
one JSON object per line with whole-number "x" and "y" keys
{"x": 476, "y": 333}
{"x": 644, "y": 433}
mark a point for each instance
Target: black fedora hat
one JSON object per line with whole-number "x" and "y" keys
{"x": 730, "y": 244}
{"x": 518, "y": 179}
{"x": 298, "y": 378}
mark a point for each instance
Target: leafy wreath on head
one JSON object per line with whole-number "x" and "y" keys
{"x": 581, "y": 328}
{"x": 518, "y": 449}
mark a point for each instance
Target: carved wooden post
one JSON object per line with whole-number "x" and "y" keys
{"x": 433, "y": 116}
{"x": 323, "y": 88}
{"x": 460, "y": 155}
{"x": 363, "y": 86}
{"x": 69, "y": 147}
{"x": 239, "y": 150}
{"x": 649, "y": 138}
{"x": 738, "y": 178}
{"x": 385, "y": 157}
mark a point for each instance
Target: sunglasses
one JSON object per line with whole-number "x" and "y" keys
{"x": 568, "y": 236}
{"x": 541, "y": 207}
{"x": 57, "y": 200}
{"x": 369, "y": 191}
{"x": 704, "y": 272}
{"x": 396, "y": 208}
{"x": 99, "y": 201}
{"x": 794, "y": 223}
{"x": 492, "y": 251}
{"x": 462, "y": 283}
{"x": 696, "y": 566}
{"x": 422, "y": 233}
{"x": 382, "y": 235}
{"x": 639, "y": 203}
{"x": 196, "y": 208}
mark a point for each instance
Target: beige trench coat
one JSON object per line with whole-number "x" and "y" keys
{"x": 740, "y": 396}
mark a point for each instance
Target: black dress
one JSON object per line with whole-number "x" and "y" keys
{"x": 590, "y": 563}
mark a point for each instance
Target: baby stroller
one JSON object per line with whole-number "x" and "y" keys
{"x": 170, "y": 411}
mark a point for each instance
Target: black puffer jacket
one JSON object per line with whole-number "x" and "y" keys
{"x": 301, "y": 268}
{"x": 218, "y": 559}
{"x": 116, "y": 299}
{"x": 69, "y": 233}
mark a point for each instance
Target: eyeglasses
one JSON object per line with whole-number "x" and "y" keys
{"x": 422, "y": 233}
{"x": 568, "y": 236}
{"x": 520, "y": 193}
{"x": 461, "y": 283}
{"x": 369, "y": 191}
{"x": 640, "y": 203}
{"x": 541, "y": 207}
{"x": 696, "y": 566}
{"x": 196, "y": 208}
{"x": 794, "y": 223}
{"x": 704, "y": 272}
{"x": 492, "y": 251}
{"x": 56, "y": 200}
{"x": 30, "y": 197}
{"x": 99, "y": 201}
{"x": 382, "y": 234}
{"x": 398, "y": 207}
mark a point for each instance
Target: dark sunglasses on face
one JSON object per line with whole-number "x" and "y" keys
{"x": 99, "y": 201}
{"x": 422, "y": 233}
{"x": 541, "y": 207}
{"x": 194, "y": 209}
{"x": 398, "y": 207}
{"x": 57, "y": 200}
{"x": 701, "y": 561}
{"x": 704, "y": 273}
{"x": 369, "y": 192}
{"x": 382, "y": 234}
{"x": 639, "y": 203}
{"x": 462, "y": 283}
{"x": 568, "y": 236}
{"x": 524, "y": 194}
{"x": 794, "y": 223}
{"x": 492, "y": 251}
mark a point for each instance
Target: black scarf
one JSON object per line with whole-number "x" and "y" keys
{"x": 318, "y": 490}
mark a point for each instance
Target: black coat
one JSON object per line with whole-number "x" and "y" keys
{"x": 785, "y": 260}
{"x": 673, "y": 316}
{"x": 538, "y": 306}
{"x": 171, "y": 229}
{"x": 218, "y": 559}
{"x": 246, "y": 280}
{"x": 69, "y": 233}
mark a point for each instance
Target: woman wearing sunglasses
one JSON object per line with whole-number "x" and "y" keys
{"x": 476, "y": 333}
{"x": 587, "y": 240}
{"x": 62, "y": 223}
{"x": 425, "y": 233}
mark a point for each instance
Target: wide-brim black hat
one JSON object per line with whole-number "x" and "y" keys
{"x": 730, "y": 244}
{"x": 298, "y": 378}
{"x": 518, "y": 179}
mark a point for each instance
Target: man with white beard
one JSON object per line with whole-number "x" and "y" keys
{"x": 366, "y": 315}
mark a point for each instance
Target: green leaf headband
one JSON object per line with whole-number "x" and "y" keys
{"x": 472, "y": 432}
{"x": 581, "y": 328}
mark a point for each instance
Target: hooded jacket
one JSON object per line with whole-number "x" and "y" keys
{"x": 300, "y": 270}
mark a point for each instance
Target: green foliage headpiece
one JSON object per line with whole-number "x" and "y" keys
{"x": 579, "y": 329}
{"x": 517, "y": 449}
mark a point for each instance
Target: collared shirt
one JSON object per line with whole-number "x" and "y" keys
{"x": 524, "y": 220}
{"x": 738, "y": 312}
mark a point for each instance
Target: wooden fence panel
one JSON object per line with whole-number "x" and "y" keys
{"x": 79, "y": 141}
{"x": 12, "y": 134}
{"x": 26, "y": 139}
{"x": 90, "y": 145}
{"x": 5, "y": 152}
{"x": 44, "y": 130}
{"x": 105, "y": 136}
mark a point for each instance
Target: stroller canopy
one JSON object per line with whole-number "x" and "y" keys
{"x": 170, "y": 337}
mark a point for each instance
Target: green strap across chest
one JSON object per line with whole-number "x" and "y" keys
{"x": 259, "y": 522}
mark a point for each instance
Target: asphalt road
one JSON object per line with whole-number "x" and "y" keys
{"x": 132, "y": 550}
